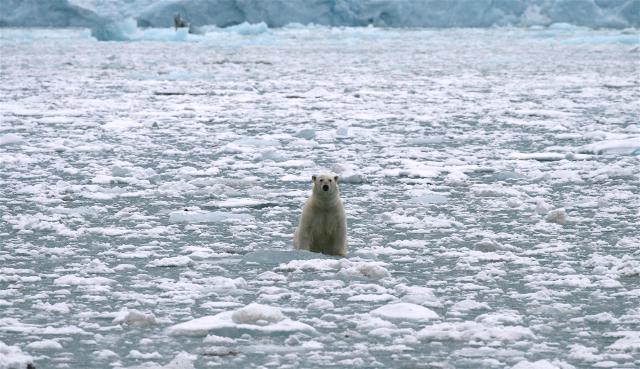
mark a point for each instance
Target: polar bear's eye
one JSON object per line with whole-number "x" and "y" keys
{"x": 329, "y": 180}
{"x": 322, "y": 180}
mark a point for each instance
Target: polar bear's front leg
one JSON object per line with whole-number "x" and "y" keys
{"x": 339, "y": 246}
{"x": 302, "y": 238}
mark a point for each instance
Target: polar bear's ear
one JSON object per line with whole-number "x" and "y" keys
{"x": 335, "y": 178}
{"x": 313, "y": 178}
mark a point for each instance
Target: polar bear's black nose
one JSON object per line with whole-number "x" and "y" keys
{"x": 325, "y": 188}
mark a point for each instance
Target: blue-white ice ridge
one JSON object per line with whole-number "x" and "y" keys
{"x": 277, "y": 13}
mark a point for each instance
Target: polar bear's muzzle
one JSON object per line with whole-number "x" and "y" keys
{"x": 325, "y": 188}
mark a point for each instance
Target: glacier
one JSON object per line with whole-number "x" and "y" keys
{"x": 98, "y": 14}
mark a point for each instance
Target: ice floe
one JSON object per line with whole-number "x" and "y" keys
{"x": 134, "y": 317}
{"x": 254, "y": 318}
{"x": 404, "y": 311}
{"x": 12, "y": 357}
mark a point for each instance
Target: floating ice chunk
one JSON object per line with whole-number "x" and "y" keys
{"x": 539, "y": 156}
{"x": 183, "y": 360}
{"x": 380, "y": 250}
{"x": 277, "y": 256}
{"x": 10, "y": 139}
{"x": 583, "y": 353}
{"x": 348, "y": 173}
{"x": 257, "y": 142}
{"x": 248, "y": 29}
{"x": 306, "y": 133}
{"x": 412, "y": 244}
{"x": 383, "y": 297}
{"x": 194, "y": 172}
{"x": 365, "y": 269}
{"x": 105, "y": 355}
{"x": 558, "y": 216}
{"x": 58, "y": 308}
{"x": 370, "y": 269}
{"x": 44, "y": 345}
{"x": 629, "y": 341}
{"x": 350, "y": 177}
{"x": 456, "y": 179}
{"x": 473, "y": 331}
{"x": 350, "y": 363}
{"x": 419, "y": 295}
{"x": 122, "y": 124}
{"x": 500, "y": 317}
{"x": 220, "y": 304}
{"x": 272, "y": 154}
{"x": 95, "y": 266}
{"x": 413, "y": 169}
{"x": 271, "y": 276}
{"x": 542, "y": 207}
{"x": 342, "y": 132}
{"x": 485, "y": 190}
{"x": 601, "y": 318}
{"x": 73, "y": 280}
{"x": 302, "y": 163}
{"x": 321, "y": 305}
{"x": 218, "y": 340}
{"x": 540, "y": 364}
{"x": 440, "y": 222}
{"x": 369, "y": 322}
{"x": 41, "y": 222}
{"x": 427, "y": 140}
{"x": 404, "y": 311}
{"x": 176, "y": 261}
{"x": 253, "y": 318}
{"x": 397, "y": 218}
{"x": 135, "y": 354}
{"x": 257, "y": 314}
{"x": 468, "y": 305}
{"x": 240, "y": 203}
{"x": 433, "y": 198}
{"x": 134, "y": 317}
{"x": 12, "y": 357}
{"x": 14, "y": 325}
{"x": 627, "y": 146}
{"x": 200, "y": 216}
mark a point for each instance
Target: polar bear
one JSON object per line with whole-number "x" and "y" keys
{"x": 323, "y": 223}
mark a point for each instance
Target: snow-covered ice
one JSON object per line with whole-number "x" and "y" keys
{"x": 149, "y": 191}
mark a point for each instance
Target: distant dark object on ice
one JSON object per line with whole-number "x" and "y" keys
{"x": 180, "y": 22}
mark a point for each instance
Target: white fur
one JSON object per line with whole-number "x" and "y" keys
{"x": 323, "y": 223}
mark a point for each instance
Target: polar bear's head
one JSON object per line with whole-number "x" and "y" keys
{"x": 325, "y": 184}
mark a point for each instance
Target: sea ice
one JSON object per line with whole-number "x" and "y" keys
{"x": 558, "y": 216}
{"x": 134, "y": 317}
{"x": 404, "y": 311}
{"x": 12, "y": 357}
{"x": 253, "y": 318}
